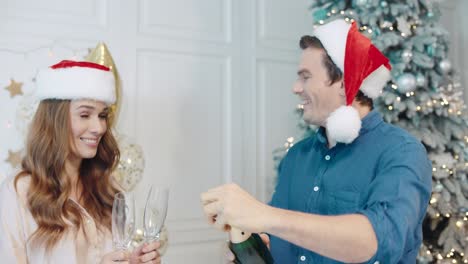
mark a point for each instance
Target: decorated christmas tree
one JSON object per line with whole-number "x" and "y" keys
{"x": 425, "y": 98}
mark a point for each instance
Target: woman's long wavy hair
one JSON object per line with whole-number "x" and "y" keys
{"x": 47, "y": 147}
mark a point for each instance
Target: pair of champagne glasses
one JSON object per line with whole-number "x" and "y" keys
{"x": 123, "y": 216}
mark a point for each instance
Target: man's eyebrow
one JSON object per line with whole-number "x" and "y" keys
{"x": 302, "y": 71}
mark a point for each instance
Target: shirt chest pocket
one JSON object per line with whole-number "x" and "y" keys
{"x": 343, "y": 202}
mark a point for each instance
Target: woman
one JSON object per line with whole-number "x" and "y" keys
{"x": 58, "y": 208}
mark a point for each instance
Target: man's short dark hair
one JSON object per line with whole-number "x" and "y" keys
{"x": 334, "y": 73}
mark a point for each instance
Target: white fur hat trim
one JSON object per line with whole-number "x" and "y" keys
{"x": 373, "y": 84}
{"x": 76, "y": 83}
{"x": 333, "y": 36}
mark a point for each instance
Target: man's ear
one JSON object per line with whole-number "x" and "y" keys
{"x": 342, "y": 89}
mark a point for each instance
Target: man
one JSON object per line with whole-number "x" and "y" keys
{"x": 356, "y": 191}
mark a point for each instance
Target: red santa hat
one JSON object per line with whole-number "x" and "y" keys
{"x": 76, "y": 80}
{"x": 364, "y": 69}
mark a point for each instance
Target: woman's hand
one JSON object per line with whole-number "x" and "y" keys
{"x": 118, "y": 256}
{"x": 147, "y": 253}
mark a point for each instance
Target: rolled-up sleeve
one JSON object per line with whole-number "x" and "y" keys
{"x": 397, "y": 200}
{"x": 12, "y": 238}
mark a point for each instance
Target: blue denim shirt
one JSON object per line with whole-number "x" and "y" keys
{"x": 383, "y": 174}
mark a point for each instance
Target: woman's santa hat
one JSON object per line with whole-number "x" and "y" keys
{"x": 364, "y": 68}
{"x": 71, "y": 80}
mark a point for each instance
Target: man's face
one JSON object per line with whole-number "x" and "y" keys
{"x": 319, "y": 96}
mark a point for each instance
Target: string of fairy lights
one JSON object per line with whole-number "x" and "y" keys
{"x": 50, "y": 50}
{"x": 15, "y": 87}
{"x": 452, "y": 108}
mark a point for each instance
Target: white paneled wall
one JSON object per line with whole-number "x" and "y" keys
{"x": 202, "y": 20}
{"x": 276, "y": 62}
{"x": 206, "y": 90}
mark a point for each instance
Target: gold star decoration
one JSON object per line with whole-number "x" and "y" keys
{"x": 14, "y": 158}
{"x": 14, "y": 88}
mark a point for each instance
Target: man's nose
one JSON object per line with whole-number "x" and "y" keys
{"x": 297, "y": 87}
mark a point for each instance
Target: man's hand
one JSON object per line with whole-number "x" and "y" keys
{"x": 229, "y": 205}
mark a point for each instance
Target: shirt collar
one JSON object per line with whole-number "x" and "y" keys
{"x": 321, "y": 135}
{"x": 369, "y": 122}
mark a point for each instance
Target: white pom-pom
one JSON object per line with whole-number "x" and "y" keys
{"x": 343, "y": 124}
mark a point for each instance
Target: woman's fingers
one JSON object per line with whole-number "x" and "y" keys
{"x": 151, "y": 247}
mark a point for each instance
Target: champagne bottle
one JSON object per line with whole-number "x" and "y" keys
{"x": 248, "y": 248}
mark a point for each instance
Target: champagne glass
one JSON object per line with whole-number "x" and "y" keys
{"x": 123, "y": 220}
{"x": 155, "y": 213}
